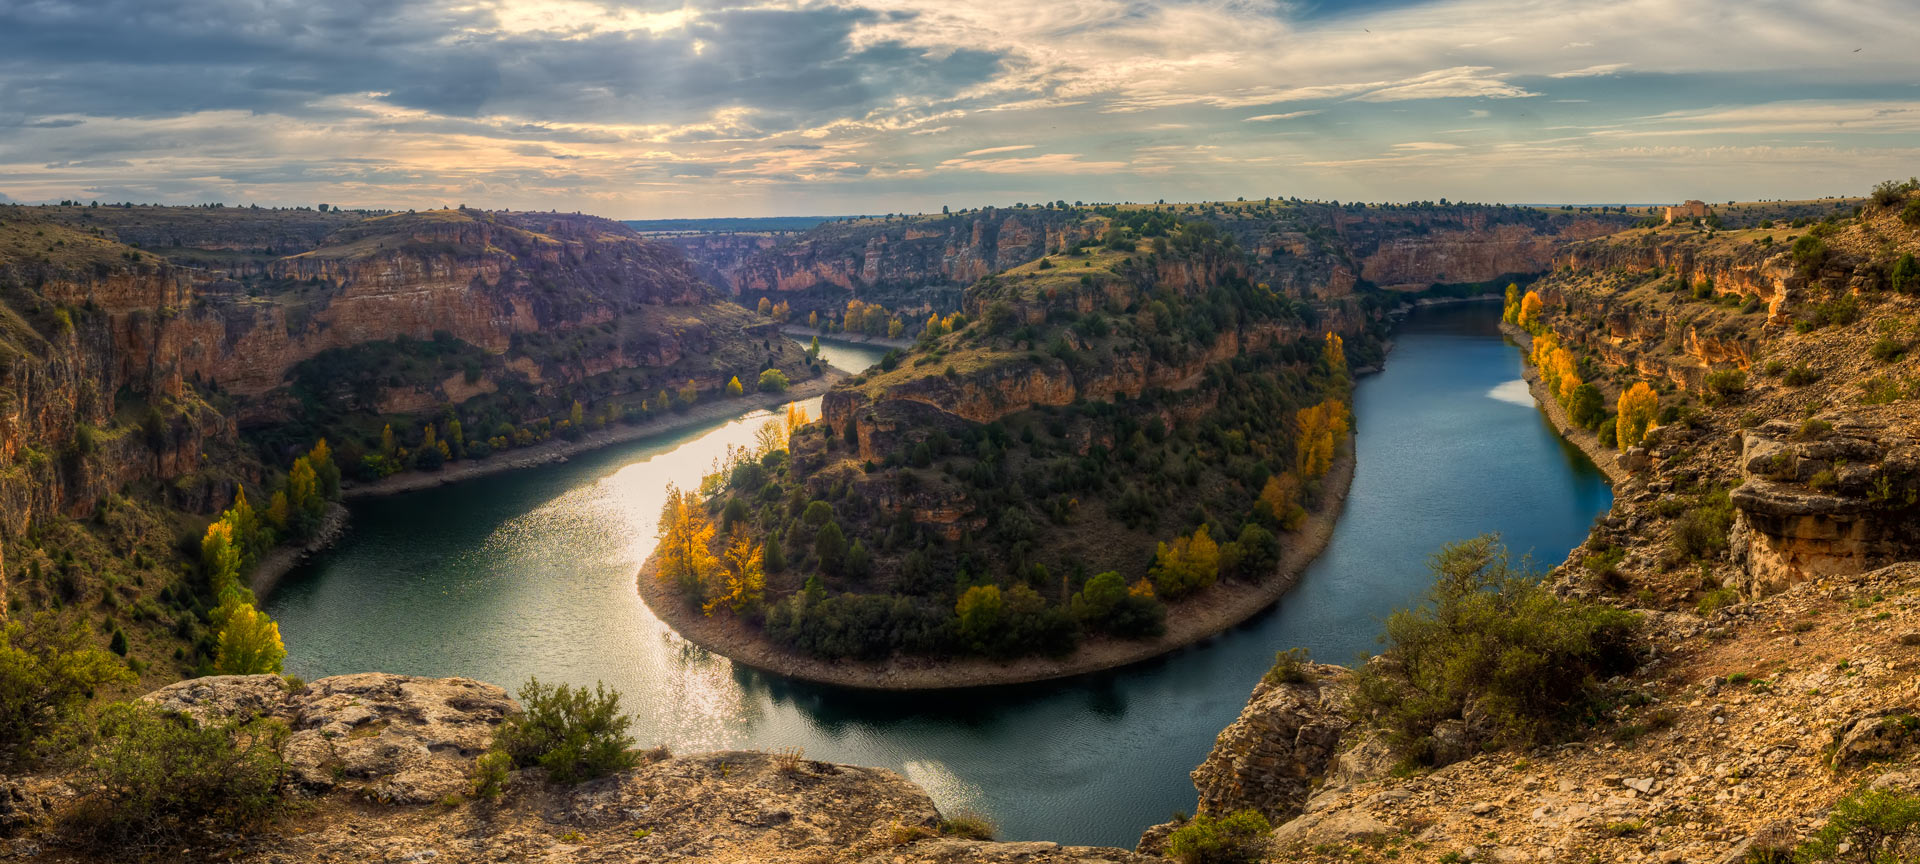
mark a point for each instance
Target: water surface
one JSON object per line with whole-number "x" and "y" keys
{"x": 531, "y": 572}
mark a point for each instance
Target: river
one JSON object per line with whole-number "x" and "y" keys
{"x": 531, "y": 573}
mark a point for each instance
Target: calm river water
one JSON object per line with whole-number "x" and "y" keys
{"x": 532, "y": 573}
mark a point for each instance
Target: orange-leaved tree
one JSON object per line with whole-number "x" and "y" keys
{"x": 1530, "y": 307}
{"x": 1638, "y": 406}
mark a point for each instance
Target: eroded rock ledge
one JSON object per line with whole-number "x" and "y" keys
{"x": 380, "y": 765}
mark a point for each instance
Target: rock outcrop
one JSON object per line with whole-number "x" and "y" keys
{"x": 370, "y": 752}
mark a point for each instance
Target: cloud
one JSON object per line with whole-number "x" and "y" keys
{"x": 1007, "y": 149}
{"x": 1263, "y": 118}
{"x": 1426, "y": 145}
{"x": 1591, "y": 71}
{"x": 638, "y": 106}
{"x": 1051, "y": 163}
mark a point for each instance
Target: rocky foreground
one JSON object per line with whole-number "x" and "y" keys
{"x": 1736, "y": 740}
{"x": 381, "y": 765}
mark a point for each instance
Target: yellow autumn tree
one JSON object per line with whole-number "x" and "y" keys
{"x": 766, "y": 307}
{"x": 1530, "y": 307}
{"x": 249, "y": 643}
{"x": 221, "y": 557}
{"x": 1280, "y": 500}
{"x": 781, "y": 311}
{"x": 1559, "y": 369}
{"x": 796, "y": 418}
{"x": 1322, "y": 428}
{"x": 1638, "y": 407}
{"x": 895, "y": 327}
{"x": 1510, "y": 311}
{"x": 742, "y": 578}
{"x": 1187, "y": 565}
{"x": 1335, "y": 353}
{"x": 734, "y": 388}
{"x": 689, "y": 392}
{"x": 686, "y": 541}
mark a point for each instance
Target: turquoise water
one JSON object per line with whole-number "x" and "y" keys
{"x": 532, "y": 572}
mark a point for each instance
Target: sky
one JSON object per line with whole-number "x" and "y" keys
{"x": 639, "y": 109}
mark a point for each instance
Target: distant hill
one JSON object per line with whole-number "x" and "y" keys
{"x": 727, "y": 226}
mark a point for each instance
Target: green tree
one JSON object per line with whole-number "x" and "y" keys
{"x": 773, "y": 381}
{"x": 982, "y": 613}
{"x": 830, "y": 546}
{"x": 1586, "y": 408}
{"x": 48, "y": 670}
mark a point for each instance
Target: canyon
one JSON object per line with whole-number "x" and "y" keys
{"x": 920, "y": 263}
{"x": 1778, "y": 672}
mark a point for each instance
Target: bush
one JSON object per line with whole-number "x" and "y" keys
{"x": 968, "y": 825}
{"x": 1702, "y": 531}
{"x": 491, "y": 773}
{"x": 1800, "y": 376}
{"x": 575, "y": 734}
{"x": 1492, "y": 637}
{"x": 1870, "y": 825}
{"x": 1240, "y": 838}
{"x": 773, "y": 381}
{"x": 1289, "y": 667}
{"x": 1887, "y": 349}
{"x": 1609, "y": 437}
{"x": 48, "y": 671}
{"x": 154, "y": 778}
{"x": 1726, "y": 385}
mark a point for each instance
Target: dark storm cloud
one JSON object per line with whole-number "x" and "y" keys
{"x": 139, "y": 58}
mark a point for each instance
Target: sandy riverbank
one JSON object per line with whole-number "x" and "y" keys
{"x": 556, "y": 450}
{"x": 1606, "y": 458}
{"x": 1189, "y": 621}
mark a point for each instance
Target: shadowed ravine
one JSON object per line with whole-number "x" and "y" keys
{"x": 531, "y": 573}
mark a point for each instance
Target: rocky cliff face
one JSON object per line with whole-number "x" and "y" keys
{"x": 103, "y": 330}
{"x": 915, "y": 264}
{"x": 1300, "y": 248}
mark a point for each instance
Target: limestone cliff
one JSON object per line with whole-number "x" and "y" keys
{"x": 1305, "y": 249}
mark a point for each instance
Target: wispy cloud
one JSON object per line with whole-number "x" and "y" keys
{"x": 1265, "y": 118}
{"x": 1591, "y": 71}
{"x": 1007, "y": 149}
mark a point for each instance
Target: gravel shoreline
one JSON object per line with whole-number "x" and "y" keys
{"x": 1189, "y": 621}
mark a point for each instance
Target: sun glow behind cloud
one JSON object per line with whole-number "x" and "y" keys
{"x": 636, "y": 108}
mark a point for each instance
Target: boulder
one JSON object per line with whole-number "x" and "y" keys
{"x": 1284, "y": 740}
